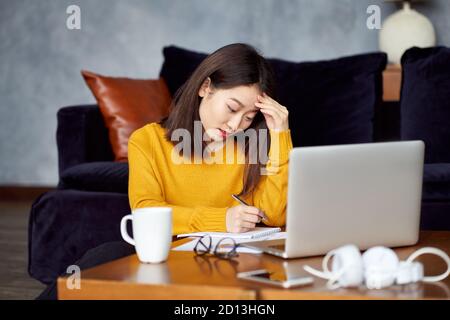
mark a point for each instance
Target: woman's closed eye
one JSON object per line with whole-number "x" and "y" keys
{"x": 233, "y": 111}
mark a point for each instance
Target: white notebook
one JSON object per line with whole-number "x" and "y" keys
{"x": 258, "y": 232}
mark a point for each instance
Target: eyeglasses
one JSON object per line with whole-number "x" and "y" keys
{"x": 225, "y": 248}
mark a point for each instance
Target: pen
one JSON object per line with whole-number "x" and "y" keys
{"x": 235, "y": 197}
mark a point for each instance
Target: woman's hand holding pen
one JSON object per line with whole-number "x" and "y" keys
{"x": 242, "y": 218}
{"x": 275, "y": 114}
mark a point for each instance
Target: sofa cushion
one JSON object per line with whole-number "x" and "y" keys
{"x": 425, "y": 100}
{"x": 329, "y": 102}
{"x": 178, "y": 65}
{"x": 96, "y": 176}
{"x": 91, "y": 141}
{"x": 128, "y": 104}
{"x": 436, "y": 181}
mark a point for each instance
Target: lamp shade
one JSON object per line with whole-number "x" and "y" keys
{"x": 404, "y": 29}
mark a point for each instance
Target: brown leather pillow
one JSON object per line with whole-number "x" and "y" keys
{"x": 128, "y": 104}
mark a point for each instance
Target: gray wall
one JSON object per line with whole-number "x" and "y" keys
{"x": 40, "y": 59}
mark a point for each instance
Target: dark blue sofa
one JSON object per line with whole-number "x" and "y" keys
{"x": 330, "y": 102}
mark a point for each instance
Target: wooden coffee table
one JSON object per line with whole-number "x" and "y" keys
{"x": 185, "y": 276}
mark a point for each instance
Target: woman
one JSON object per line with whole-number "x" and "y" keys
{"x": 227, "y": 96}
{"x": 229, "y": 93}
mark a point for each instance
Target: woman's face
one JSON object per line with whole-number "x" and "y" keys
{"x": 227, "y": 111}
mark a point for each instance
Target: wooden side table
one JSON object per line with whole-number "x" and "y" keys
{"x": 185, "y": 276}
{"x": 392, "y": 78}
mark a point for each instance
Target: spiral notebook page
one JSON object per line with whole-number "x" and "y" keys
{"x": 258, "y": 232}
{"x": 189, "y": 246}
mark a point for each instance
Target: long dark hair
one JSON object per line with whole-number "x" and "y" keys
{"x": 228, "y": 67}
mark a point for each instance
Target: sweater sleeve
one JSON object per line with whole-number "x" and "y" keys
{"x": 144, "y": 190}
{"x": 270, "y": 195}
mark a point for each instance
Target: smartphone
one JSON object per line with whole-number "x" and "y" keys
{"x": 276, "y": 278}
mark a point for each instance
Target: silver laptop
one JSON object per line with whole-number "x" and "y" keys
{"x": 364, "y": 194}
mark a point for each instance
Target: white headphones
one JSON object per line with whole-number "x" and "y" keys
{"x": 378, "y": 267}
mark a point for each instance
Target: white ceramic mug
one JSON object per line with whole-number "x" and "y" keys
{"x": 152, "y": 230}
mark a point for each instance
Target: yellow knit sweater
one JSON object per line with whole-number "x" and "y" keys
{"x": 200, "y": 194}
